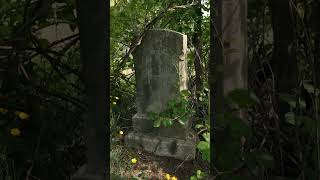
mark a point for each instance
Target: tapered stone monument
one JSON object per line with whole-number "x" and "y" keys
{"x": 161, "y": 72}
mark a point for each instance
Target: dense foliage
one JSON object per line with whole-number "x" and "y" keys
{"x": 42, "y": 98}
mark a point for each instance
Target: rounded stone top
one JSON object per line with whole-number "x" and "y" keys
{"x": 167, "y": 31}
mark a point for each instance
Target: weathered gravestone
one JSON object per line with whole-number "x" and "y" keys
{"x": 161, "y": 72}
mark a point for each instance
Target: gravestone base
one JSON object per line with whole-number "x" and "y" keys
{"x": 83, "y": 174}
{"x": 163, "y": 146}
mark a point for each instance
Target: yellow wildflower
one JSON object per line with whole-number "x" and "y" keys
{"x": 134, "y": 161}
{"x": 23, "y": 115}
{"x": 3, "y": 110}
{"x": 117, "y": 97}
{"x": 15, "y": 132}
{"x": 174, "y": 178}
{"x": 168, "y": 176}
{"x": 114, "y": 103}
{"x": 121, "y": 132}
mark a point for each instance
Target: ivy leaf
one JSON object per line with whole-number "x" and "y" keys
{"x": 193, "y": 178}
{"x": 204, "y": 148}
{"x": 206, "y": 136}
{"x": 167, "y": 122}
{"x": 157, "y": 123}
{"x": 200, "y": 174}
{"x": 185, "y": 93}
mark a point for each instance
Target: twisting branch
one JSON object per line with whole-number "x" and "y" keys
{"x": 137, "y": 40}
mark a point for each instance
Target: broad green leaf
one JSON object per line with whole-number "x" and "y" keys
{"x": 228, "y": 155}
{"x": 203, "y": 145}
{"x": 204, "y": 148}
{"x": 243, "y": 97}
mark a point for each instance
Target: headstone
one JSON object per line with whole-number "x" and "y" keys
{"x": 161, "y": 72}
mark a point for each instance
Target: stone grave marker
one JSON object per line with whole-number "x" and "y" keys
{"x": 161, "y": 73}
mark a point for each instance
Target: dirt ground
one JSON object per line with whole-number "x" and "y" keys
{"x": 151, "y": 167}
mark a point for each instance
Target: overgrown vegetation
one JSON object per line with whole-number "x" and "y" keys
{"x": 42, "y": 99}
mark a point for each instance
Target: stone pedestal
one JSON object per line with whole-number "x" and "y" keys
{"x": 161, "y": 72}
{"x": 183, "y": 149}
{"x": 84, "y": 174}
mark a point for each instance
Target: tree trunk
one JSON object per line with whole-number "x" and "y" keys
{"x": 283, "y": 62}
{"x": 228, "y": 57}
{"x": 93, "y": 28}
{"x": 216, "y": 100}
{"x": 197, "y": 42}
{"x": 234, "y": 35}
{"x": 198, "y": 55}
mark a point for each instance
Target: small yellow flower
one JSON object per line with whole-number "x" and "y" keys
{"x": 15, "y": 132}
{"x": 174, "y": 178}
{"x": 23, "y": 115}
{"x": 134, "y": 161}
{"x": 117, "y": 98}
{"x": 121, "y": 132}
{"x": 3, "y": 110}
{"x": 114, "y": 103}
{"x": 168, "y": 176}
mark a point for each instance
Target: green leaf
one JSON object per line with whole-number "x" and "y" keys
{"x": 43, "y": 43}
{"x": 198, "y": 126}
{"x": 290, "y": 118}
{"x": 181, "y": 122}
{"x": 228, "y": 155}
{"x": 310, "y": 125}
{"x": 243, "y": 97}
{"x": 310, "y": 88}
{"x": 200, "y": 174}
{"x": 204, "y": 148}
{"x": 167, "y": 122}
{"x": 251, "y": 162}
{"x": 206, "y": 136}
{"x": 203, "y": 145}
{"x": 157, "y": 123}
{"x": 237, "y": 126}
{"x": 193, "y": 178}
{"x": 185, "y": 93}
{"x": 4, "y": 31}
{"x": 152, "y": 115}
